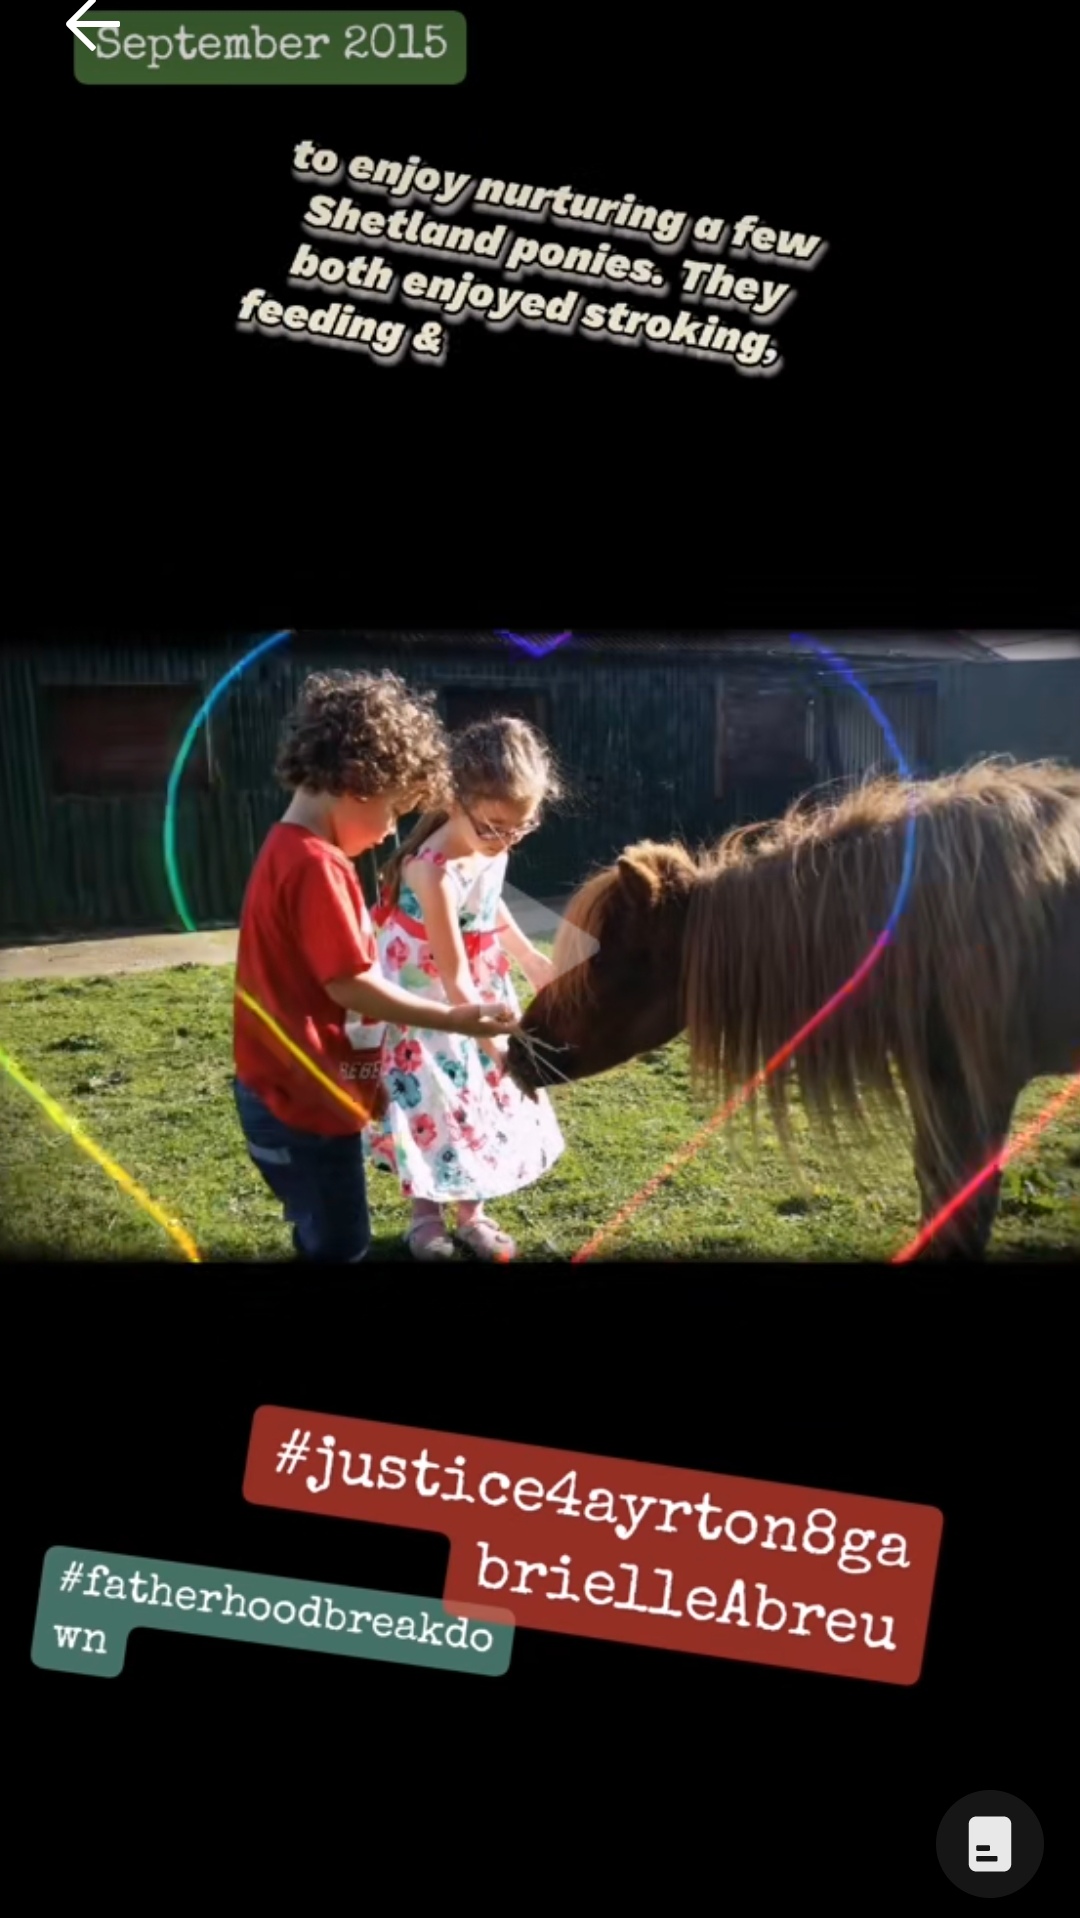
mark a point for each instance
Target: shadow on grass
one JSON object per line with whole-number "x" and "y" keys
{"x": 389, "y": 1248}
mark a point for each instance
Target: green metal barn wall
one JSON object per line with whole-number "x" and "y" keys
{"x": 629, "y": 737}
{"x": 96, "y": 864}
{"x": 1031, "y": 711}
{"x": 636, "y": 738}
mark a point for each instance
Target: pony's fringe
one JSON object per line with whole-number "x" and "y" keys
{"x": 782, "y": 916}
{"x": 572, "y": 987}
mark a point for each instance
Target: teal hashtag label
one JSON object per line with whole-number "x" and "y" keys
{"x": 90, "y": 1603}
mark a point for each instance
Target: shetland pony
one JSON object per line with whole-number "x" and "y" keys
{"x": 976, "y": 994}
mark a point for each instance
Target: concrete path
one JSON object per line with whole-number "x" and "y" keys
{"x": 155, "y": 951}
{"x": 147, "y": 952}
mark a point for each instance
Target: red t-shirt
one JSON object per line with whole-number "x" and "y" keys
{"x": 303, "y": 922}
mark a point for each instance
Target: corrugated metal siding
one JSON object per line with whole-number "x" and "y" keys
{"x": 1029, "y": 710}
{"x": 630, "y": 736}
{"x": 24, "y": 867}
{"x": 853, "y": 745}
{"x": 97, "y": 864}
{"x": 635, "y": 734}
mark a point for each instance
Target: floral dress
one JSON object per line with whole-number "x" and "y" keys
{"x": 453, "y": 1130}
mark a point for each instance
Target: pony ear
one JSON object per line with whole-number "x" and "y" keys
{"x": 648, "y": 871}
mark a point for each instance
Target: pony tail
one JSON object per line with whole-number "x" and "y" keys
{"x": 390, "y": 876}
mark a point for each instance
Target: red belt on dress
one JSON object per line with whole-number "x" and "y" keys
{"x": 385, "y": 915}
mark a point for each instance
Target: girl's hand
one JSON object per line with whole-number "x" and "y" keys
{"x": 483, "y": 1022}
{"x": 540, "y": 972}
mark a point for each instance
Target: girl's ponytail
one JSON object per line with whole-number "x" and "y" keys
{"x": 391, "y": 872}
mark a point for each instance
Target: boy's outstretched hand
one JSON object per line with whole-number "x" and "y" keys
{"x": 484, "y": 1022}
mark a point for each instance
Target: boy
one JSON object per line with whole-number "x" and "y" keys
{"x": 358, "y": 751}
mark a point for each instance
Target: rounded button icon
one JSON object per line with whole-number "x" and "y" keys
{"x": 989, "y": 1844}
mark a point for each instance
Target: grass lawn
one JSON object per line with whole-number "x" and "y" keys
{"x": 144, "y": 1062}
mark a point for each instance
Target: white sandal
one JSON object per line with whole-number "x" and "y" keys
{"x": 485, "y": 1240}
{"x": 435, "y": 1247}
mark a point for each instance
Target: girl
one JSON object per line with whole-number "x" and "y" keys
{"x": 455, "y": 1129}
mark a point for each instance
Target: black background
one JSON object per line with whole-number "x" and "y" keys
{"x": 914, "y": 445}
{"x": 909, "y": 465}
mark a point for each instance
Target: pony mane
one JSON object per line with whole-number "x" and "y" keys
{"x": 783, "y": 914}
{"x": 587, "y": 913}
{"x": 590, "y": 910}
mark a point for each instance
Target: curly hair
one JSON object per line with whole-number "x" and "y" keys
{"x": 365, "y": 734}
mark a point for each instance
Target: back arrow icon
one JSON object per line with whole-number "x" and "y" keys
{"x": 73, "y": 23}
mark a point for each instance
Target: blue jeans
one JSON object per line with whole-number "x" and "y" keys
{"x": 319, "y": 1181}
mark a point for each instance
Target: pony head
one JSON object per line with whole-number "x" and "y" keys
{"x": 626, "y": 998}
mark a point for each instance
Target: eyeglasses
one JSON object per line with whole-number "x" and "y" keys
{"x": 501, "y": 835}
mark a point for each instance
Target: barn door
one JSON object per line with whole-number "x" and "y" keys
{"x": 765, "y": 749}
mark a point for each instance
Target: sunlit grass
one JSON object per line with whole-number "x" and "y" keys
{"x": 144, "y": 1061}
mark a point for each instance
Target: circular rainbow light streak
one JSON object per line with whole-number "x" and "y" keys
{"x": 687, "y": 1152}
{"x": 693, "y": 1147}
{"x": 123, "y": 1179}
{"x": 538, "y": 648}
{"x": 171, "y": 869}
